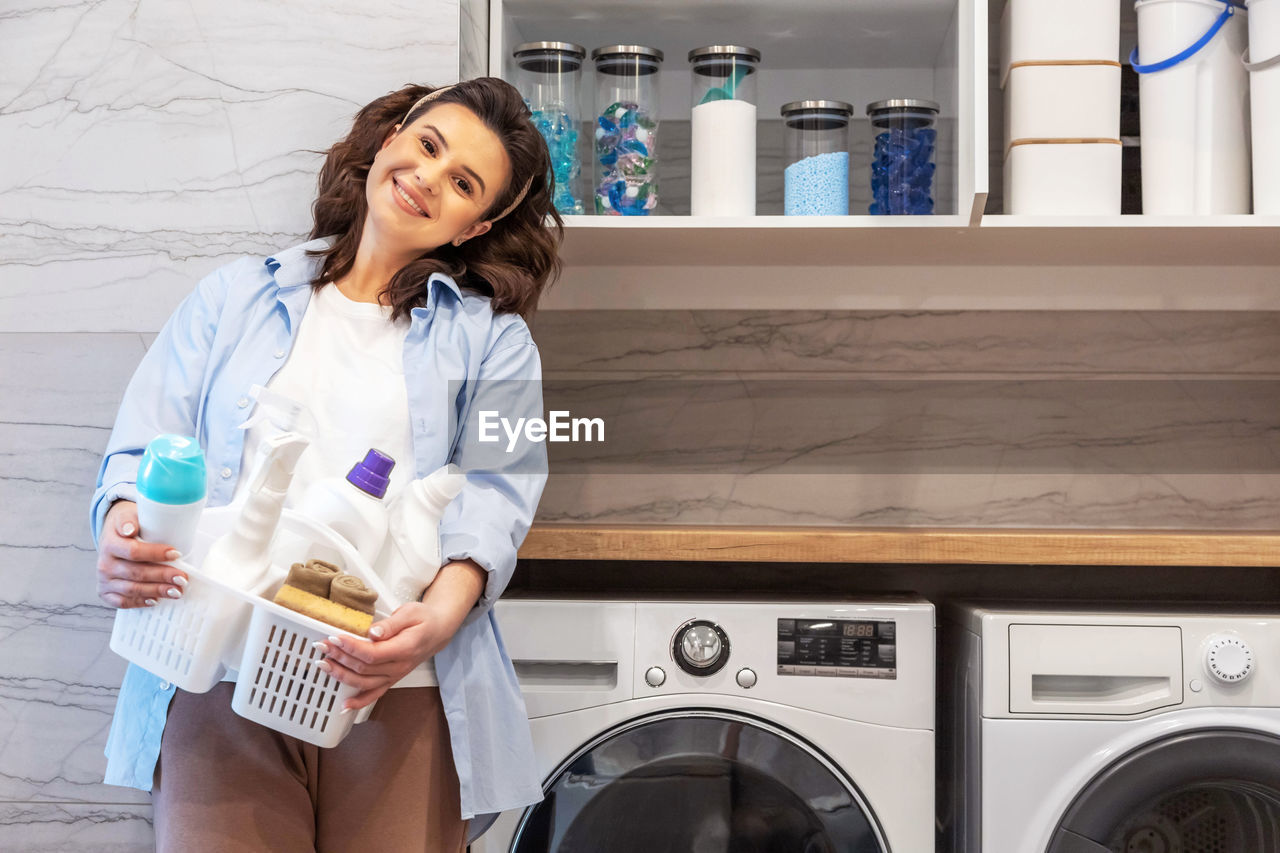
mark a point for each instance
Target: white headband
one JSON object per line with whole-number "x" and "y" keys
{"x": 431, "y": 96}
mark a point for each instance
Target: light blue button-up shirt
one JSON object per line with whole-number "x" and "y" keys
{"x": 235, "y": 331}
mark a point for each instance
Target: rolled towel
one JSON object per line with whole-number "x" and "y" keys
{"x": 350, "y": 591}
{"x": 315, "y": 577}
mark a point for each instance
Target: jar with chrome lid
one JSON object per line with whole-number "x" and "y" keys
{"x": 722, "y": 167}
{"x": 816, "y": 148}
{"x": 902, "y": 164}
{"x": 549, "y": 76}
{"x": 626, "y": 129}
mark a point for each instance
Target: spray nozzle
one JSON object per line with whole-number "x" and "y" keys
{"x": 275, "y": 472}
{"x": 283, "y": 412}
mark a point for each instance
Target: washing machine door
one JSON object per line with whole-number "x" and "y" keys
{"x": 1210, "y": 791}
{"x": 699, "y": 782}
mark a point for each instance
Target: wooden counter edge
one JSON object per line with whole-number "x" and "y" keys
{"x": 904, "y": 545}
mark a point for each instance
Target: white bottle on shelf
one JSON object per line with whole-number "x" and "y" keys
{"x": 411, "y": 559}
{"x": 352, "y": 506}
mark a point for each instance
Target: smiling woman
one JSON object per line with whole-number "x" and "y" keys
{"x": 406, "y": 308}
{"x": 467, "y": 160}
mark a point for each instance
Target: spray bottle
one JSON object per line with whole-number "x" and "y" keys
{"x": 411, "y": 558}
{"x": 242, "y": 557}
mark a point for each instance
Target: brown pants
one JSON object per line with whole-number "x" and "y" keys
{"x": 226, "y": 784}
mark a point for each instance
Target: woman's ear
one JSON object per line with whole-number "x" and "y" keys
{"x": 391, "y": 134}
{"x": 474, "y": 231}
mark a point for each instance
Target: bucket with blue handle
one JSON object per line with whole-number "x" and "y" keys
{"x": 1194, "y": 104}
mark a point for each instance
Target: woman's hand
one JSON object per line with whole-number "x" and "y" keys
{"x": 130, "y": 571}
{"x": 405, "y": 639}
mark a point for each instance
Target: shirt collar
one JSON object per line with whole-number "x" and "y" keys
{"x": 295, "y": 266}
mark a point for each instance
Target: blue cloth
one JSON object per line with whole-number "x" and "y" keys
{"x": 234, "y": 331}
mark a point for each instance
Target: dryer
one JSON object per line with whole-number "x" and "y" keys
{"x": 724, "y": 725}
{"x": 1081, "y": 730}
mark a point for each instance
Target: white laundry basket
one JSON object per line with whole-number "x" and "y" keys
{"x": 278, "y": 684}
{"x": 1263, "y": 63}
{"x": 1194, "y": 107}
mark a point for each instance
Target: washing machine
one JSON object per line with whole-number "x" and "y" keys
{"x": 1082, "y": 730}
{"x": 724, "y": 726}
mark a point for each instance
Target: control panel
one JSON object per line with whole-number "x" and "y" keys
{"x": 845, "y": 648}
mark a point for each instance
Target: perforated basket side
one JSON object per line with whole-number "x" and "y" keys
{"x": 172, "y": 639}
{"x": 280, "y": 686}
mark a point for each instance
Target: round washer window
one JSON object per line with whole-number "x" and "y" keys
{"x": 703, "y": 782}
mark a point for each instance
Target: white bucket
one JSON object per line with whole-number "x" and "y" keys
{"x": 1194, "y": 114}
{"x": 1264, "y": 95}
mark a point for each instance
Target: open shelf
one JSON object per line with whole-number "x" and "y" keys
{"x": 918, "y": 546}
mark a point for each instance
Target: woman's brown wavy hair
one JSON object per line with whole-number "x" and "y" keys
{"x": 512, "y": 263}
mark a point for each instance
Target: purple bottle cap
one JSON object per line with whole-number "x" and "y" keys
{"x": 372, "y": 474}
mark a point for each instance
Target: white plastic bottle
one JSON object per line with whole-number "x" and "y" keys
{"x": 411, "y": 559}
{"x": 352, "y": 506}
{"x": 242, "y": 557}
{"x": 172, "y": 490}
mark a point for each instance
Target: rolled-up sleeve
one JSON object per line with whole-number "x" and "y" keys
{"x": 489, "y": 519}
{"x": 164, "y": 395}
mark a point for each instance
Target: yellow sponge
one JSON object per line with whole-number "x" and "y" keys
{"x": 337, "y": 615}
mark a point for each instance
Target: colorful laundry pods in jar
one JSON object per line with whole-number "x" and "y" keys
{"x": 626, "y": 129}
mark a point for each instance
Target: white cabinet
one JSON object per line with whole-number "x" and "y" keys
{"x": 956, "y": 259}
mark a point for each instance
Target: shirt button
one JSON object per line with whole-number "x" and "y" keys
{"x": 242, "y": 402}
{"x": 165, "y": 685}
{"x": 279, "y": 353}
{"x": 226, "y": 473}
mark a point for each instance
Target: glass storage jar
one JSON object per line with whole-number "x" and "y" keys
{"x": 722, "y": 167}
{"x": 549, "y": 76}
{"x": 816, "y": 147}
{"x": 626, "y": 129}
{"x": 902, "y": 163}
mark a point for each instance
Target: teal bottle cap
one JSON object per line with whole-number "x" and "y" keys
{"x": 172, "y": 470}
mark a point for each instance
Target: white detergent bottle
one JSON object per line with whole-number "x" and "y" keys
{"x": 242, "y": 557}
{"x": 411, "y": 558}
{"x": 352, "y": 506}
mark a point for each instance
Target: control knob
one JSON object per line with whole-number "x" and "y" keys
{"x": 700, "y": 647}
{"x": 1228, "y": 658}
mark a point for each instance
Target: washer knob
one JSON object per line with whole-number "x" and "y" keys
{"x": 654, "y": 676}
{"x": 1229, "y": 659}
{"x": 700, "y": 647}
{"x": 746, "y": 678}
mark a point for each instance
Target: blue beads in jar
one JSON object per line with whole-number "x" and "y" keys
{"x": 902, "y": 162}
{"x": 548, "y": 74}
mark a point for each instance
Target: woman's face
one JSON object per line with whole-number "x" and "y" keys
{"x": 432, "y": 181}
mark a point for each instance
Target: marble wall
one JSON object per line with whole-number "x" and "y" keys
{"x": 145, "y": 144}
{"x": 986, "y": 419}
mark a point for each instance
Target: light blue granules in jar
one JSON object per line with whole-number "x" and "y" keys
{"x": 818, "y": 185}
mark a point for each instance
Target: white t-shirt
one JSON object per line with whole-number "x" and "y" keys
{"x": 347, "y": 368}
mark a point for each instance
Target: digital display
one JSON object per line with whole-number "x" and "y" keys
{"x": 848, "y": 648}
